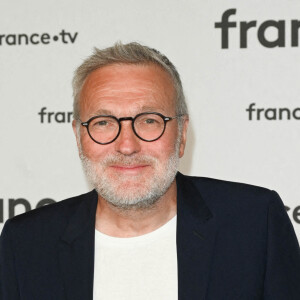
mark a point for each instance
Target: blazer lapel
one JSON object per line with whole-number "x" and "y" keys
{"x": 76, "y": 250}
{"x": 196, "y": 234}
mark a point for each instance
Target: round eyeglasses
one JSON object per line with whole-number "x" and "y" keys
{"x": 148, "y": 126}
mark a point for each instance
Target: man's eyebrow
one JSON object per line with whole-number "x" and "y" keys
{"x": 140, "y": 110}
{"x": 150, "y": 109}
{"x": 102, "y": 112}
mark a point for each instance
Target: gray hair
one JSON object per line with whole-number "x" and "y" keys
{"x": 132, "y": 53}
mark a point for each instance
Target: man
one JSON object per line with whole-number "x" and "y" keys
{"x": 146, "y": 231}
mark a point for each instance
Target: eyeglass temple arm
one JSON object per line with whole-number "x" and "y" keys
{"x": 172, "y": 118}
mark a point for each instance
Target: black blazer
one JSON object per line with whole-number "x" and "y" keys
{"x": 234, "y": 241}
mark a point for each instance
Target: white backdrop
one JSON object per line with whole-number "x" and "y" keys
{"x": 42, "y": 43}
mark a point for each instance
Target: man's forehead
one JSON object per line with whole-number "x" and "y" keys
{"x": 128, "y": 76}
{"x": 139, "y": 87}
{"x": 118, "y": 87}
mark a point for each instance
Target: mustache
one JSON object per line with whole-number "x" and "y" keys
{"x": 120, "y": 159}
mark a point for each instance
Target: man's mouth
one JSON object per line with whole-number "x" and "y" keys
{"x": 129, "y": 169}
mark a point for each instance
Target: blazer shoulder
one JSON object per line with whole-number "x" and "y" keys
{"x": 236, "y": 206}
{"x": 236, "y": 193}
{"x": 51, "y": 215}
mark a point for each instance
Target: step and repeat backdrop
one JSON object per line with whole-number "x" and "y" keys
{"x": 240, "y": 66}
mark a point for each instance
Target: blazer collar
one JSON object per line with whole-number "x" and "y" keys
{"x": 196, "y": 235}
{"x": 83, "y": 217}
{"x": 76, "y": 250}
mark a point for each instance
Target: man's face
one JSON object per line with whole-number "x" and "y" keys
{"x": 130, "y": 172}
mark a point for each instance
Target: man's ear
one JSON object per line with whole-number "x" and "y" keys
{"x": 183, "y": 136}
{"x": 74, "y": 125}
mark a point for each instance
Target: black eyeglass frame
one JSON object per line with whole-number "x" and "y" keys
{"x": 132, "y": 119}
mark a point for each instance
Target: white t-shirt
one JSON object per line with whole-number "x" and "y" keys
{"x": 137, "y": 268}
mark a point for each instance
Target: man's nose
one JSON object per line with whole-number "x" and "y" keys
{"x": 127, "y": 142}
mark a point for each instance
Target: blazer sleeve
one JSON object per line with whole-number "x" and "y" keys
{"x": 282, "y": 276}
{"x": 8, "y": 279}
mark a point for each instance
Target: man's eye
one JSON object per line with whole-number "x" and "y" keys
{"x": 102, "y": 123}
{"x": 150, "y": 121}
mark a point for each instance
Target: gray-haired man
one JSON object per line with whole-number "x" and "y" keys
{"x": 146, "y": 231}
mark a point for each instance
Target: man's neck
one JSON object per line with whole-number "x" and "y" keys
{"x": 134, "y": 222}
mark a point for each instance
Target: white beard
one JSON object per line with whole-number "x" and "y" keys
{"x": 134, "y": 192}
